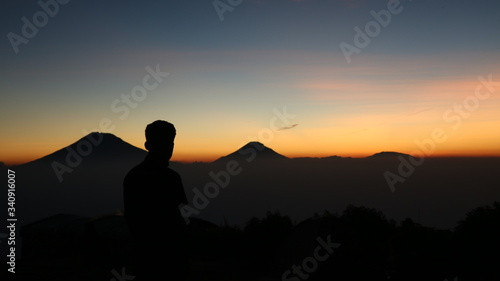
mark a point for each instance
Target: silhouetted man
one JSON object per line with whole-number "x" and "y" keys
{"x": 152, "y": 194}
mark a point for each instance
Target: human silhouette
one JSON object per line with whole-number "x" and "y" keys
{"x": 152, "y": 195}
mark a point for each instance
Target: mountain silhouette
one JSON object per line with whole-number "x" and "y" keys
{"x": 83, "y": 178}
{"x": 252, "y": 151}
{"x": 94, "y": 146}
{"x": 86, "y": 179}
{"x": 388, "y": 154}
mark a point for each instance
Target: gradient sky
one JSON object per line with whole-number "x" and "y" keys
{"x": 228, "y": 78}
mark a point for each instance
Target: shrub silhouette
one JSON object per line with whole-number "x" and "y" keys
{"x": 264, "y": 237}
{"x": 421, "y": 253}
{"x": 477, "y": 239}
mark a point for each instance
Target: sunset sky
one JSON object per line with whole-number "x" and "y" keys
{"x": 422, "y": 75}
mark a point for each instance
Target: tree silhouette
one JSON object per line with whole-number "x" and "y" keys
{"x": 264, "y": 237}
{"x": 478, "y": 243}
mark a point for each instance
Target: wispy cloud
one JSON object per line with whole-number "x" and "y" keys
{"x": 288, "y": 127}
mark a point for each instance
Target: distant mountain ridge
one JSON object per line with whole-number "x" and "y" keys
{"x": 253, "y": 150}
{"x": 93, "y": 145}
{"x": 93, "y": 168}
{"x": 66, "y": 181}
{"x": 388, "y": 154}
{"x": 99, "y": 145}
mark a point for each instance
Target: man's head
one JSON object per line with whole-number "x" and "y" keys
{"x": 160, "y": 138}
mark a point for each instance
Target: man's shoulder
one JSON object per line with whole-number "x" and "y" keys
{"x": 173, "y": 172}
{"x": 136, "y": 172}
{"x": 136, "y": 169}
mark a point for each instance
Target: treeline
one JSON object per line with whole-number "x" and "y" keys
{"x": 358, "y": 244}
{"x": 372, "y": 247}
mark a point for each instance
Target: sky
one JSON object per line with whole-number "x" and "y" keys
{"x": 304, "y": 77}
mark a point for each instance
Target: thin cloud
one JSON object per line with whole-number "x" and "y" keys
{"x": 420, "y": 111}
{"x": 288, "y": 127}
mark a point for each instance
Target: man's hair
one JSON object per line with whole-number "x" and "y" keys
{"x": 160, "y": 131}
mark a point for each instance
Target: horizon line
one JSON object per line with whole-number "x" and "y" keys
{"x": 183, "y": 161}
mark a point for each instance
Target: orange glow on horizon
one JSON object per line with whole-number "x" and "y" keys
{"x": 189, "y": 157}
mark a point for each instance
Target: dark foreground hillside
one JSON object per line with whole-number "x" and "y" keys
{"x": 358, "y": 244}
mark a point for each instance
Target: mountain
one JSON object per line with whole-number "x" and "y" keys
{"x": 388, "y": 154}
{"x": 84, "y": 178}
{"x": 252, "y": 151}
{"x": 93, "y": 147}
